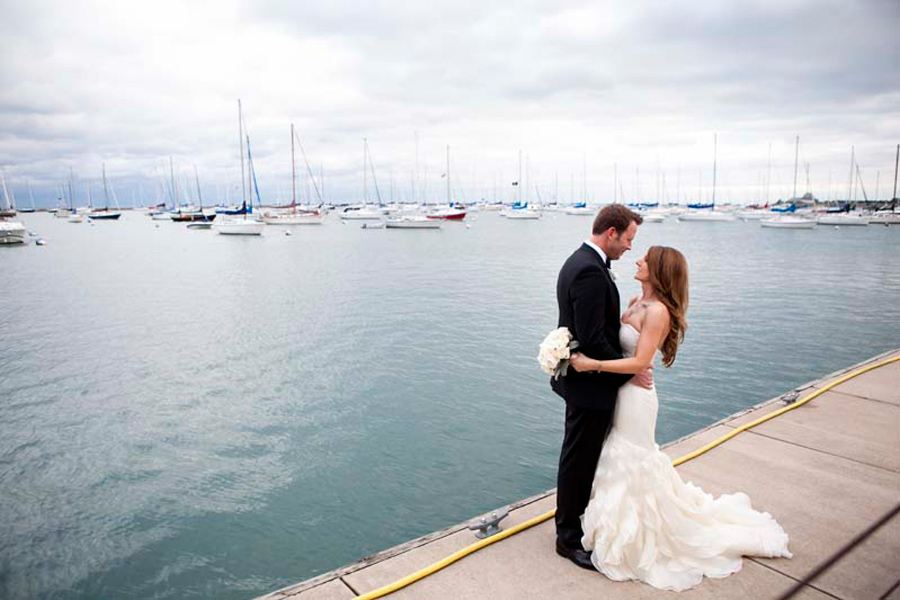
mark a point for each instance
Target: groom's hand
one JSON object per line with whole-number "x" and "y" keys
{"x": 644, "y": 379}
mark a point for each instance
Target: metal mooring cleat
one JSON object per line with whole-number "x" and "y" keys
{"x": 790, "y": 397}
{"x": 488, "y": 525}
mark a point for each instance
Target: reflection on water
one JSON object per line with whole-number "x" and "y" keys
{"x": 185, "y": 414}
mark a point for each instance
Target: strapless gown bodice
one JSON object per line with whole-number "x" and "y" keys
{"x": 644, "y": 523}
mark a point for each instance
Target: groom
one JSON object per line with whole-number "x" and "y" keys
{"x": 589, "y": 306}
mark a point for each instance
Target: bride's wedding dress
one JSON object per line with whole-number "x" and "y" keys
{"x": 644, "y": 523}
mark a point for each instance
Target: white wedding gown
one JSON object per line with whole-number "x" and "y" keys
{"x": 644, "y": 523}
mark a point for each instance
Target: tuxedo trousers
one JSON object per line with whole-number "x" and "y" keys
{"x": 586, "y": 431}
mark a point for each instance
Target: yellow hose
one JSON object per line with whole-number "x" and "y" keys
{"x": 435, "y": 567}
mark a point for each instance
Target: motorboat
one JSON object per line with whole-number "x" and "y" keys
{"x": 200, "y": 225}
{"x": 361, "y": 213}
{"x": 104, "y": 215}
{"x": 12, "y": 232}
{"x": 183, "y": 216}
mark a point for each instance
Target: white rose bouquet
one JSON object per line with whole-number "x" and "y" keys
{"x": 555, "y": 352}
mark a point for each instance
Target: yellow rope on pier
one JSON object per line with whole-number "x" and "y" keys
{"x": 435, "y": 567}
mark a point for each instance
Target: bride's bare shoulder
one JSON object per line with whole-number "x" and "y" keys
{"x": 657, "y": 311}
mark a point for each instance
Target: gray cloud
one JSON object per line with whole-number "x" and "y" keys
{"x": 643, "y": 85}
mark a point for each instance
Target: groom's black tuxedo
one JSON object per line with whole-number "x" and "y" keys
{"x": 589, "y": 306}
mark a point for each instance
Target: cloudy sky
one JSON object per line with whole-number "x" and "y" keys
{"x": 622, "y": 99}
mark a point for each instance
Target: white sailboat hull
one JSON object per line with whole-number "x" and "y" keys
{"x": 522, "y": 214}
{"x": 788, "y": 223}
{"x": 242, "y": 227}
{"x": 412, "y": 223}
{"x": 653, "y": 217}
{"x": 853, "y": 220}
{"x": 706, "y": 216}
{"x": 885, "y": 219}
{"x": 300, "y": 219}
{"x": 581, "y": 212}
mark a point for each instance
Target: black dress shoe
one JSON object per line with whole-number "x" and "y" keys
{"x": 578, "y": 556}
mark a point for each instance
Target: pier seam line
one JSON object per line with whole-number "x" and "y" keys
{"x": 347, "y": 583}
{"x": 820, "y": 451}
{"x": 858, "y": 397}
{"x": 753, "y": 559}
{"x": 462, "y": 553}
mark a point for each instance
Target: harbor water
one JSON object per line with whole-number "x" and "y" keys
{"x": 190, "y": 415}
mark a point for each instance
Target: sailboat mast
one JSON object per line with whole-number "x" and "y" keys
{"x": 615, "y": 183}
{"x": 448, "y": 174}
{"x": 796, "y": 157}
{"x": 241, "y": 142}
{"x": 519, "y": 182}
{"x": 416, "y": 172}
{"x": 293, "y": 171}
{"x": 896, "y": 164}
{"x": 174, "y": 189}
{"x": 71, "y": 192}
{"x": 715, "y": 151}
{"x": 105, "y": 186}
{"x": 769, "y": 174}
{"x": 850, "y": 184}
{"x": 365, "y": 171}
{"x": 197, "y": 180}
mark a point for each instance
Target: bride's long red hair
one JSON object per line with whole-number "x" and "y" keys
{"x": 669, "y": 277}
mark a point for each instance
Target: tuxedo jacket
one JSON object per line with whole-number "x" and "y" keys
{"x": 589, "y": 306}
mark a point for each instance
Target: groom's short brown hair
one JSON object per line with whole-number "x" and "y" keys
{"x": 615, "y": 215}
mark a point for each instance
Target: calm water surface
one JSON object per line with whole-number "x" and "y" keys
{"x": 184, "y": 414}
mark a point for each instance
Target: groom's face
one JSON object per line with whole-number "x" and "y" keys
{"x": 620, "y": 243}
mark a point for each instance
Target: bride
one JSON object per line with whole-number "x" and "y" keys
{"x": 643, "y": 522}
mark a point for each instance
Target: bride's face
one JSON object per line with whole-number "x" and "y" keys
{"x": 643, "y": 273}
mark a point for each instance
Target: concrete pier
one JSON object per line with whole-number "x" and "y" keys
{"x": 826, "y": 471}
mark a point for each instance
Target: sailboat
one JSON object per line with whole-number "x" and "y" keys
{"x": 520, "y": 210}
{"x": 11, "y": 232}
{"x": 707, "y": 212}
{"x": 786, "y": 219}
{"x": 104, "y": 214}
{"x": 8, "y": 210}
{"x": 847, "y": 218}
{"x": 243, "y": 226}
{"x": 884, "y": 217}
{"x": 451, "y": 211}
{"x": 295, "y": 216}
{"x": 197, "y": 218}
{"x": 364, "y": 212}
{"x": 31, "y": 198}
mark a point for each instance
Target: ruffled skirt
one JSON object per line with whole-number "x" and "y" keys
{"x": 644, "y": 523}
